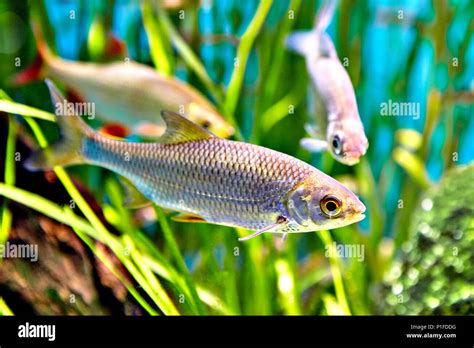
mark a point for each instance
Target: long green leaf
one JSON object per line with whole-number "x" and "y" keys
{"x": 24, "y": 110}
{"x": 243, "y": 52}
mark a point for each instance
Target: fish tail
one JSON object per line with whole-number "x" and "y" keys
{"x": 302, "y": 42}
{"x": 311, "y": 43}
{"x": 325, "y": 14}
{"x": 68, "y": 150}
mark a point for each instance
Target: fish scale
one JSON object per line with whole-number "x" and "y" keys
{"x": 203, "y": 177}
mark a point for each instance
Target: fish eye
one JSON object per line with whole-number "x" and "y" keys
{"x": 337, "y": 144}
{"x": 206, "y": 124}
{"x": 331, "y": 206}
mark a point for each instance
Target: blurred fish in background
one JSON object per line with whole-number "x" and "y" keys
{"x": 338, "y": 126}
{"x": 125, "y": 91}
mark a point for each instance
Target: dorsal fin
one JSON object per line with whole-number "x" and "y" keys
{"x": 180, "y": 129}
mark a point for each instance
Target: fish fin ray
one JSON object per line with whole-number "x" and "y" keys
{"x": 280, "y": 222}
{"x": 188, "y": 217}
{"x": 314, "y": 145}
{"x": 325, "y": 15}
{"x": 67, "y": 150}
{"x": 180, "y": 130}
{"x": 134, "y": 199}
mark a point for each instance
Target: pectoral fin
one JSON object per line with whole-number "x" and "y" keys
{"x": 280, "y": 222}
{"x": 188, "y": 217}
{"x": 314, "y": 145}
{"x": 134, "y": 199}
{"x": 312, "y": 130}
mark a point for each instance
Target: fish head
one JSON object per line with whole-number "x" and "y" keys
{"x": 320, "y": 202}
{"x": 211, "y": 120}
{"x": 347, "y": 141}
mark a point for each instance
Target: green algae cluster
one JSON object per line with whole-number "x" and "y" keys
{"x": 433, "y": 275}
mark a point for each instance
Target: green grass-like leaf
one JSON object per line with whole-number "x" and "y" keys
{"x": 20, "y": 109}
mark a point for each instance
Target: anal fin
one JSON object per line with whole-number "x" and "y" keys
{"x": 188, "y": 217}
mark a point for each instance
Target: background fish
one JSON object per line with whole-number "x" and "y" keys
{"x": 336, "y": 103}
{"x": 127, "y": 92}
{"x": 211, "y": 179}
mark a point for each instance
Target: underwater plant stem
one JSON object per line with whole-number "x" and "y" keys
{"x": 196, "y": 65}
{"x": 4, "y": 309}
{"x": 206, "y": 295}
{"x": 67, "y": 217}
{"x": 187, "y": 54}
{"x": 271, "y": 71}
{"x": 90, "y": 215}
{"x": 9, "y": 106}
{"x": 155, "y": 290}
{"x": 257, "y": 276}
{"x": 9, "y": 178}
{"x": 336, "y": 272}
{"x": 287, "y": 286}
{"x": 109, "y": 240}
{"x": 243, "y": 52}
{"x": 86, "y": 232}
{"x": 173, "y": 246}
{"x": 105, "y": 260}
{"x": 159, "y": 47}
{"x": 279, "y": 110}
{"x": 368, "y": 188}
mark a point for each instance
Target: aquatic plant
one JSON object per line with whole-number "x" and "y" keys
{"x": 234, "y": 54}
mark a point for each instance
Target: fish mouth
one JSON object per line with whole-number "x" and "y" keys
{"x": 359, "y": 217}
{"x": 351, "y": 159}
{"x": 359, "y": 211}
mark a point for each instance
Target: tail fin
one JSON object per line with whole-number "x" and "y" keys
{"x": 302, "y": 42}
{"x": 324, "y": 16}
{"x": 68, "y": 150}
{"x": 310, "y": 42}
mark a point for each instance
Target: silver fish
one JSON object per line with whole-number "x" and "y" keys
{"x": 335, "y": 99}
{"x": 210, "y": 179}
{"x": 129, "y": 92}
